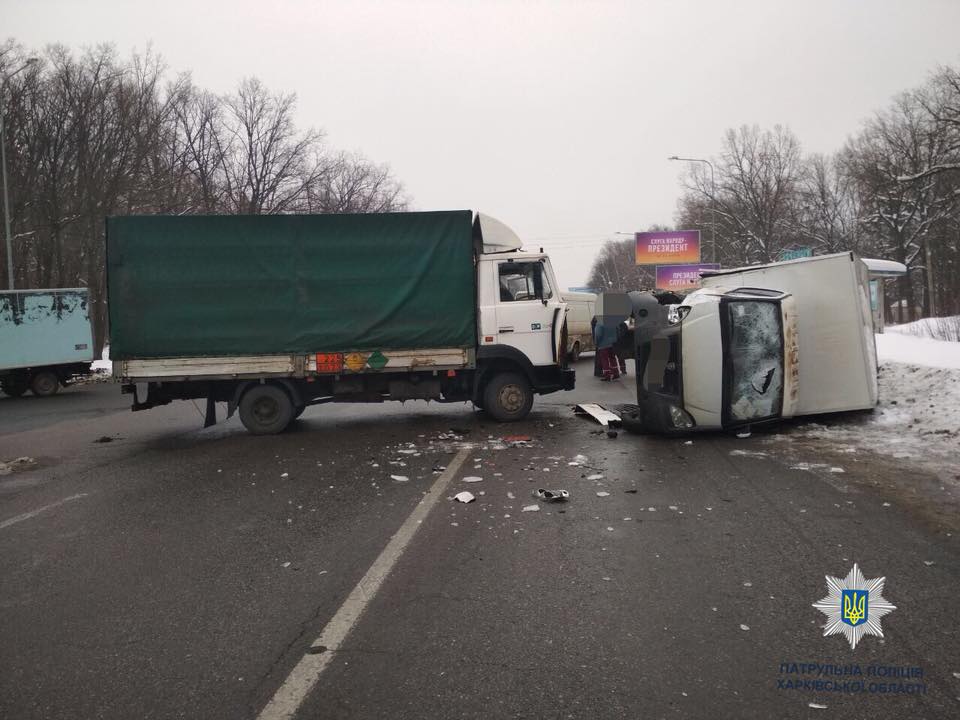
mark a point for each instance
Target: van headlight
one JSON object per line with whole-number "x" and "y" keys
{"x": 676, "y": 313}
{"x": 680, "y": 417}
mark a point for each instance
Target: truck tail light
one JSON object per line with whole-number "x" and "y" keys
{"x": 329, "y": 362}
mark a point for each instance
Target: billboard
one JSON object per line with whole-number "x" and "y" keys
{"x": 657, "y": 248}
{"x": 682, "y": 278}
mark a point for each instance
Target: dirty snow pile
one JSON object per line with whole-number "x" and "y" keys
{"x": 104, "y": 364}
{"x": 938, "y": 328}
{"x": 918, "y": 417}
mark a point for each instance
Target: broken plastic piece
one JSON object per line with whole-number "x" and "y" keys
{"x": 399, "y": 478}
{"x": 531, "y": 508}
{"x": 598, "y": 413}
{"x": 552, "y": 495}
{"x": 464, "y": 497}
{"x": 472, "y": 479}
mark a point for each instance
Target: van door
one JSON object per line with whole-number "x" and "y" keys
{"x": 526, "y": 308}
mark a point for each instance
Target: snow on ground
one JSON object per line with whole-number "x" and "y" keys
{"x": 912, "y": 350}
{"x": 940, "y": 328}
{"x": 918, "y": 417}
{"x": 104, "y": 364}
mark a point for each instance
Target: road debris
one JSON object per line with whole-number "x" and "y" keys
{"x": 596, "y": 476}
{"x": 20, "y": 463}
{"x": 598, "y": 413}
{"x": 531, "y": 508}
{"x": 612, "y": 434}
{"x": 551, "y": 495}
{"x": 603, "y": 493}
{"x": 472, "y": 479}
{"x": 817, "y": 706}
{"x": 400, "y": 478}
{"x": 744, "y": 627}
{"x": 464, "y": 497}
{"x": 104, "y": 439}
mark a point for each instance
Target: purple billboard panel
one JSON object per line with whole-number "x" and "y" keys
{"x": 682, "y": 278}
{"x": 658, "y": 248}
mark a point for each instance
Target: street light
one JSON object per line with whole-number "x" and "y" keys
{"x": 713, "y": 201}
{"x": 3, "y": 165}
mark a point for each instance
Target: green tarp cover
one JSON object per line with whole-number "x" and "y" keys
{"x": 265, "y": 284}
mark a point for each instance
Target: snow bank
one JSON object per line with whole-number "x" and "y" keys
{"x": 912, "y": 350}
{"x": 104, "y": 364}
{"x": 918, "y": 417}
{"x": 940, "y": 328}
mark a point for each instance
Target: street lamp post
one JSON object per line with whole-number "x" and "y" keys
{"x": 713, "y": 200}
{"x": 3, "y": 170}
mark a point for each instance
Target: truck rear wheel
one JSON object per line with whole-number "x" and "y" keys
{"x": 508, "y": 397}
{"x": 14, "y": 385}
{"x": 44, "y": 383}
{"x": 266, "y": 410}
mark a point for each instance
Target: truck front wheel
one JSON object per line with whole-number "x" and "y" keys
{"x": 266, "y": 410}
{"x": 508, "y": 397}
{"x": 44, "y": 383}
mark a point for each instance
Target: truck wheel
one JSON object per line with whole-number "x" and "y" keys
{"x": 44, "y": 383}
{"x": 14, "y": 385}
{"x": 266, "y": 410}
{"x": 508, "y": 397}
{"x": 575, "y": 352}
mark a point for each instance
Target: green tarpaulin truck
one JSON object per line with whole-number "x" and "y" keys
{"x": 45, "y": 340}
{"x": 270, "y": 314}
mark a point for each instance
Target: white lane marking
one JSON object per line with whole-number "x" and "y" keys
{"x": 302, "y": 679}
{"x": 34, "y": 513}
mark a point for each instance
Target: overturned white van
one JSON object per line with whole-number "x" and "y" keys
{"x": 754, "y": 345}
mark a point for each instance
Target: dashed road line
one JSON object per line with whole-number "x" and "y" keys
{"x": 33, "y": 513}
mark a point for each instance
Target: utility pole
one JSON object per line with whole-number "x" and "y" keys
{"x": 3, "y": 166}
{"x": 713, "y": 201}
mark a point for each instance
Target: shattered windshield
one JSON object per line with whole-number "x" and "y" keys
{"x": 755, "y": 356}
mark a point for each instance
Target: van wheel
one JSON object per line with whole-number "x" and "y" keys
{"x": 575, "y": 352}
{"x": 508, "y": 397}
{"x": 266, "y": 410}
{"x": 44, "y": 383}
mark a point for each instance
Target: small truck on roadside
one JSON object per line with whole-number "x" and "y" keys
{"x": 45, "y": 340}
{"x": 271, "y": 314}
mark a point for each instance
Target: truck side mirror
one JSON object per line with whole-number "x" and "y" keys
{"x": 538, "y": 283}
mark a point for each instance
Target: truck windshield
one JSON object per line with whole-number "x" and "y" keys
{"x": 753, "y": 367}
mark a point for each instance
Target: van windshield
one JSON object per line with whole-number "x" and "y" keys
{"x": 753, "y": 371}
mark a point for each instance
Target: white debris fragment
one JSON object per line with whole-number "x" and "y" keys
{"x": 286, "y": 564}
{"x": 399, "y": 478}
{"x": 688, "y": 442}
{"x": 886, "y": 505}
{"x": 285, "y": 475}
{"x": 531, "y": 508}
{"x": 510, "y": 495}
{"x": 603, "y": 494}
{"x": 928, "y": 563}
{"x": 464, "y": 497}
{"x": 472, "y": 479}
{"x": 748, "y": 453}
{"x": 673, "y": 507}
{"x": 595, "y": 477}
{"x": 609, "y": 528}
{"x": 748, "y": 584}
{"x": 407, "y": 452}
{"x": 651, "y": 509}
{"x": 837, "y": 470}
{"x": 581, "y": 459}
{"x": 744, "y": 627}
{"x": 817, "y": 706}
{"x": 743, "y": 434}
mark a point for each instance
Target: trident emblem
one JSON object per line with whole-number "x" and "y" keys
{"x": 854, "y": 606}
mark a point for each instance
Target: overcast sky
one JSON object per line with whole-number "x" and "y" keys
{"x": 555, "y": 117}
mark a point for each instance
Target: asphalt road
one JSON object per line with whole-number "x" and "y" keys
{"x": 175, "y": 572}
